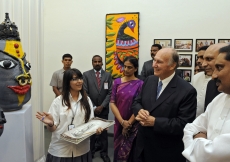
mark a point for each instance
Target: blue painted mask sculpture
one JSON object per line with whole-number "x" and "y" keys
{"x": 15, "y": 79}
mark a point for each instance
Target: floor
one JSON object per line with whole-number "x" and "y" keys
{"x": 97, "y": 154}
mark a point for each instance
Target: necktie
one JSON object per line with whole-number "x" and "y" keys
{"x": 159, "y": 87}
{"x": 98, "y": 79}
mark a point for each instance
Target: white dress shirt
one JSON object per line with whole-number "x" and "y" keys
{"x": 199, "y": 82}
{"x": 96, "y": 73}
{"x": 62, "y": 118}
{"x": 216, "y": 122}
{"x": 165, "y": 82}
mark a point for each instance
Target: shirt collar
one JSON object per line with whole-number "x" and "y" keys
{"x": 168, "y": 79}
{"x": 96, "y": 71}
{"x": 62, "y": 70}
{"x": 71, "y": 98}
{"x": 206, "y": 76}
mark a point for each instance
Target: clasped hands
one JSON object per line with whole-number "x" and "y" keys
{"x": 98, "y": 110}
{"x": 126, "y": 127}
{"x": 144, "y": 118}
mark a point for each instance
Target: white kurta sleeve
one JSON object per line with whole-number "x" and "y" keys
{"x": 205, "y": 150}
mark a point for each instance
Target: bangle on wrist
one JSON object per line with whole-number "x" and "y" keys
{"x": 122, "y": 122}
{"x": 51, "y": 125}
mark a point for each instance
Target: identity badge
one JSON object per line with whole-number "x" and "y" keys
{"x": 106, "y": 85}
{"x": 71, "y": 126}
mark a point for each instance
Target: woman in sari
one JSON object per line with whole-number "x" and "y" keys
{"x": 125, "y": 129}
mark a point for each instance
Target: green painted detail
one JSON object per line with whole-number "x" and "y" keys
{"x": 109, "y": 60}
{"x": 108, "y": 45}
{"x": 109, "y": 54}
{"x": 110, "y": 19}
{"x": 111, "y": 34}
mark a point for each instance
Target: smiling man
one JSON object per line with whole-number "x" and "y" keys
{"x": 164, "y": 106}
{"x": 200, "y": 81}
{"x": 210, "y": 56}
{"x": 57, "y": 78}
{"x": 207, "y": 139}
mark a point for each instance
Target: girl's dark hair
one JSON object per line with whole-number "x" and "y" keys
{"x": 133, "y": 60}
{"x": 67, "y": 77}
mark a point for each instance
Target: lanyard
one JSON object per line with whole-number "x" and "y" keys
{"x": 74, "y": 113}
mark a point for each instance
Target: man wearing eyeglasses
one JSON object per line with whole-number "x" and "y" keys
{"x": 57, "y": 78}
{"x": 98, "y": 86}
{"x": 147, "y": 68}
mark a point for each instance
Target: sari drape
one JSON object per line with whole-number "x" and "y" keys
{"x": 123, "y": 95}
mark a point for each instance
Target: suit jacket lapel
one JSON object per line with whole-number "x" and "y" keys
{"x": 168, "y": 91}
{"x": 93, "y": 76}
{"x": 154, "y": 90}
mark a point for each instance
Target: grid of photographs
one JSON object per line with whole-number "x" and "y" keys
{"x": 187, "y": 58}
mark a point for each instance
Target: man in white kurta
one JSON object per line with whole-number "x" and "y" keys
{"x": 199, "y": 82}
{"x": 207, "y": 139}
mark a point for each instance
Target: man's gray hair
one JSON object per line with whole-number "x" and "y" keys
{"x": 174, "y": 58}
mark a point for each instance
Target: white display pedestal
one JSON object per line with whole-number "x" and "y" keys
{"x": 16, "y": 142}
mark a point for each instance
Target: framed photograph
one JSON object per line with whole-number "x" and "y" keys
{"x": 185, "y": 45}
{"x": 203, "y": 42}
{"x": 163, "y": 42}
{"x": 185, "y": 60}
{"x": 186, "y": 74}
{"x": 224, "y": 41}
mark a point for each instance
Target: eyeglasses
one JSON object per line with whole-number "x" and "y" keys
{"x": 77, "y": 79}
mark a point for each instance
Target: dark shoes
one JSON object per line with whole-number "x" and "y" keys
{"x": 97, "y": 148}
{"x": 105, "y": 158}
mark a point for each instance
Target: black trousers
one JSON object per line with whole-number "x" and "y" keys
{"x": 103, "y": 138}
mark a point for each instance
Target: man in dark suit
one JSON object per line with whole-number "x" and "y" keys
{"x": 147, "y": 68}
{"x": 98, "y": 86}
{"x": 163, "y": 108}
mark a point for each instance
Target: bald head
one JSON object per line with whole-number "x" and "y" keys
{"x": 165, "y": 62}
{"x": 210, "y": 56}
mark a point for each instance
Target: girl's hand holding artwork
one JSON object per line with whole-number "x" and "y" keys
{"x": 99, "y": 130}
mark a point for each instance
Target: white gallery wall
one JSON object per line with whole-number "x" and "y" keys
{"x": 78, "y": 27}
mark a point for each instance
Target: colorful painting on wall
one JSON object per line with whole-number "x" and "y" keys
{"x": 122, "y": 40}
